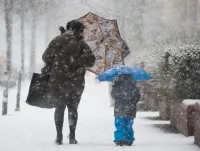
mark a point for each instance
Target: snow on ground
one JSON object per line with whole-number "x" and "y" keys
{"x": 32, "y": 129}
{"x": 190, "y": 101}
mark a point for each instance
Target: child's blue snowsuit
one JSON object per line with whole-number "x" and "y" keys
{"x": 126, "y": 95}
{"x": 124, "y": 130}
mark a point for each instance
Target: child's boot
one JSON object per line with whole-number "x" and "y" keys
{"x": 119, "y": 143}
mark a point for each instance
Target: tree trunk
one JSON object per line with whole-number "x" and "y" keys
{"x": 33, "y": 44}
{"x": 18, "y": 91}
{"x": 119, "y": 9}
{"x": 198, "y": 19}
{"x": 8, "y": 20}
{"x": 184, "y": 21}
{"x": 21, "y": 72}
{"x": 33, "y": 41}
{"x": 22, "y": 36}
{"x": 192, "y": 19}
{"x": 141, "y": 6}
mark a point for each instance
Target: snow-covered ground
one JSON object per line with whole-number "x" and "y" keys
{"x": 32, "y": 129}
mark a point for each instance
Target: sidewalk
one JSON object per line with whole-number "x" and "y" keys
{"x": 33, "y": 129}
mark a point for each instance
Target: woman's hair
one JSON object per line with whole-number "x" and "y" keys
{"x": 62, "y": 30}
{"x": 75, "y": 26}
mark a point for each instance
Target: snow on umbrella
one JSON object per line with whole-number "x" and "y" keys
{"x": 138, "y": 74}
{"x": 103, "y": 37}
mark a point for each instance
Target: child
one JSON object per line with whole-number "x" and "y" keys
{"x": 126, "y": 95}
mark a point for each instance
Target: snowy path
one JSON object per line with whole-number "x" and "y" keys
{"x": 32, "y": 129}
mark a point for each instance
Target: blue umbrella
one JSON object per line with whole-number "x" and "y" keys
{"x": 137, "y": 73}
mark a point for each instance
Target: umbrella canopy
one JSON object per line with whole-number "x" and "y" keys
{"x": 103, "y": 37}
{"x": 138, "y": 74}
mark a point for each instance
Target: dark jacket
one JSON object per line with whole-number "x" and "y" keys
{"x": 69, "y": 56}
{"x": 126, "y": 96}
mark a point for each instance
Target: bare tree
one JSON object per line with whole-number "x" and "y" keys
{"x": 198, "y": 19}
{"x": 39, "y": 8}
{"x": 135, "y": 11}
{"x": 19, "y": 91}
{"x": 22, "y": 11}
{"x": 192, "y": 10}
{"x": 47, "y": 21}
{"x": 119, "y": 7}
{"x": 21, "y": 72}
{"x": 140, "y": 5}
{"x": 8, "y": 4}
{"x": 33, "y": 37}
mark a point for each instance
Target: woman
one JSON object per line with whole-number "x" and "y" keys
{"x": 70, "y": 55}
